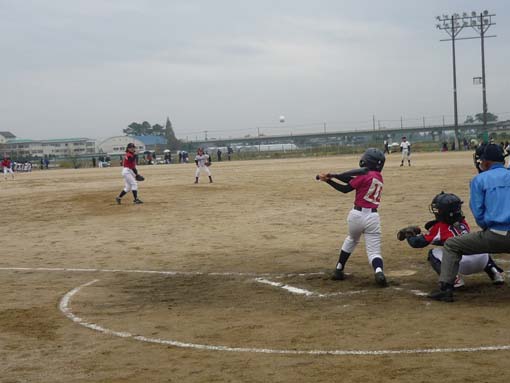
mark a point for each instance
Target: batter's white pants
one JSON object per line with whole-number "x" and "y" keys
{"x": 199, "y": 170}
{"x": 471, "y": 264}
{"x": 8, "y": 170}
{"x": 406, "y": 155}
{"x": 368, "y": 223}
{"x": 129, "y": 180}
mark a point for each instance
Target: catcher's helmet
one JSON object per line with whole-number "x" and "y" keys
{"x": 373, "y": 159}
{"x": 447, "y": 207}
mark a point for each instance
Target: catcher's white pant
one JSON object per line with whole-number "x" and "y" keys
{"x": 8, "y": 170}
{"x": 199, "y": 170}
{"x": 129, "y": 180}
{"x": 468, "y": 265}
{"x": 406, "y": 155}
{"x": 368, "y": 223}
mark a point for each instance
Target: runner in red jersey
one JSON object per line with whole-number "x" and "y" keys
{"x": 6, "y": 164}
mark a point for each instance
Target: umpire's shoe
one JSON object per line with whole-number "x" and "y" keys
{"x": 338, "y": 275}
{"x": 444, "y": 294}
{"x": 380, "y": 279}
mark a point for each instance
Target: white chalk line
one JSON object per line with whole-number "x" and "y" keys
{"x": 291, "y": 289}
{"x": 159, "y": 272}
{"x": 300, "y": 291}
{"x": 64, "y": 306}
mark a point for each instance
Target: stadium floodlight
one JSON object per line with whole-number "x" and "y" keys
{"x": 486, "y": 21}
{"x": 465, "y": 23}
{"x": 438, "y": 26}
{"x": 485, "y": 13}
{"x": 438, "y": 18}
{"x": 473, "y": 14}
{"x": 464, "y": 14}
{"x": 473, "y": 22}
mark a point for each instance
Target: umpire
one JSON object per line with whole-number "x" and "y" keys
{"x": 490, "y": 205}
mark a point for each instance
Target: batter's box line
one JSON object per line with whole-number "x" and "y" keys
{"x": 314, "y": 294}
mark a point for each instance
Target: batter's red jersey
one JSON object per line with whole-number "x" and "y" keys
{"x": 129, "y": 161}
{"x": 6, "y": 163}
{"x": 441, "y": 231}
{"x": 368, "y": 189}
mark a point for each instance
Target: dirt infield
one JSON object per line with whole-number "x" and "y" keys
{"x": 250, "y": 299}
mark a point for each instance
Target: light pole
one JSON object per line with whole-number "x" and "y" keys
{"x": 481, "y": 23}
{"x": 452, "y": 25}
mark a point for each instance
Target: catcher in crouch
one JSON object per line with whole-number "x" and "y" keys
{"x": 130, "y": 175}
{"x": 450, "y": 222}
{"x": 363, "y": 218}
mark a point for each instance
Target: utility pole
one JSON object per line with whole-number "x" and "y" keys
{"x": 205, "y": 133}
{"x": 453, "y": 25}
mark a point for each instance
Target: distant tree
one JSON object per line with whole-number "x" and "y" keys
{"x": 469, "y": 120}
{"x": 171, "y": 139}
{"x": 158, "y": 130}
{"x": 490, "y": 117}
{"x": 145, "y": 129}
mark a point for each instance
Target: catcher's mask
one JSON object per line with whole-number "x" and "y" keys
{"x": 447, "y": 207}
{"x": 372, "y": 159}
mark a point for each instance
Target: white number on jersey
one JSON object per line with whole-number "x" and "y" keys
{"x": 373, "y": 194}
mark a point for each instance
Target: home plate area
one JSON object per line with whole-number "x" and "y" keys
{"x": 287, "y": 313}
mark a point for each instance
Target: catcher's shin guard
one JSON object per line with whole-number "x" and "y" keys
{"x": 434, "y": 262}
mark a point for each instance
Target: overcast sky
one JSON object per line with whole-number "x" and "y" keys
{"x": 89, "y": 68}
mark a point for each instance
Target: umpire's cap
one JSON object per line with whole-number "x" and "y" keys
{"x": 493, "y": 152}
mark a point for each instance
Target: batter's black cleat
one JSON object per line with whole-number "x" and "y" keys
{"x": 137, "y": 201}
{"x": 117, "y": 199}
{"x": 380, "y": 279}
{"x": 338, "y": 275}
{"x": 444, "y": 294}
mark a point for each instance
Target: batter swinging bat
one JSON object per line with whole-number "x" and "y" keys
{"x": 349, "y": 173}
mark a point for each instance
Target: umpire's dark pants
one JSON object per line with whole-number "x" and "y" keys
{"x": 468, "y": 244}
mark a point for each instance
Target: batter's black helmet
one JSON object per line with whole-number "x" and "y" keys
{"x": 447, "y": 207}
{"x": 373, "y": 159}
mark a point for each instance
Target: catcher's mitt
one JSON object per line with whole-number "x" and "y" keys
{"x": 407, "y": 232}
{"x": 139, "y": 177}
{"x": 208, "y": 164}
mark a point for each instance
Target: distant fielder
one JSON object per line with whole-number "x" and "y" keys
{"x": 202, "y": 161}
{"x": 6, "y": 164}
{"x": 405, "y": 148}
{"x": 363, "y": 218}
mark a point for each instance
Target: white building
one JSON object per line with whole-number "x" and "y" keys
{"x": 117, "y": 145}
{"x": 40, "y": 148}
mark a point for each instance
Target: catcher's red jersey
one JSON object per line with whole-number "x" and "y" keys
{"x": 368, "y": 189}
{"x": 6, "y": 163}
{"x": 441, "y": 231}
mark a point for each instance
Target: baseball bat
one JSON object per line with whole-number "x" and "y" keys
{"x": 348, "y": 173}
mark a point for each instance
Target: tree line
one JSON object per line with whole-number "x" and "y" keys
{"x": 146, "y": 129}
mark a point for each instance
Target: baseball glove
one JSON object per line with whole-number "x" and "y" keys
{"x": 139, "y": 177}
{"x": 208, "y": 164}
{"x": 407, "y": 232}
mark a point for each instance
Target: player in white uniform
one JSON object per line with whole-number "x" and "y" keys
{"x": 202, "y": 162}
{"x": 405, "y": 148}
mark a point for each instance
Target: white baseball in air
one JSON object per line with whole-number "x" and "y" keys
{"x": 282, "y": 118}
